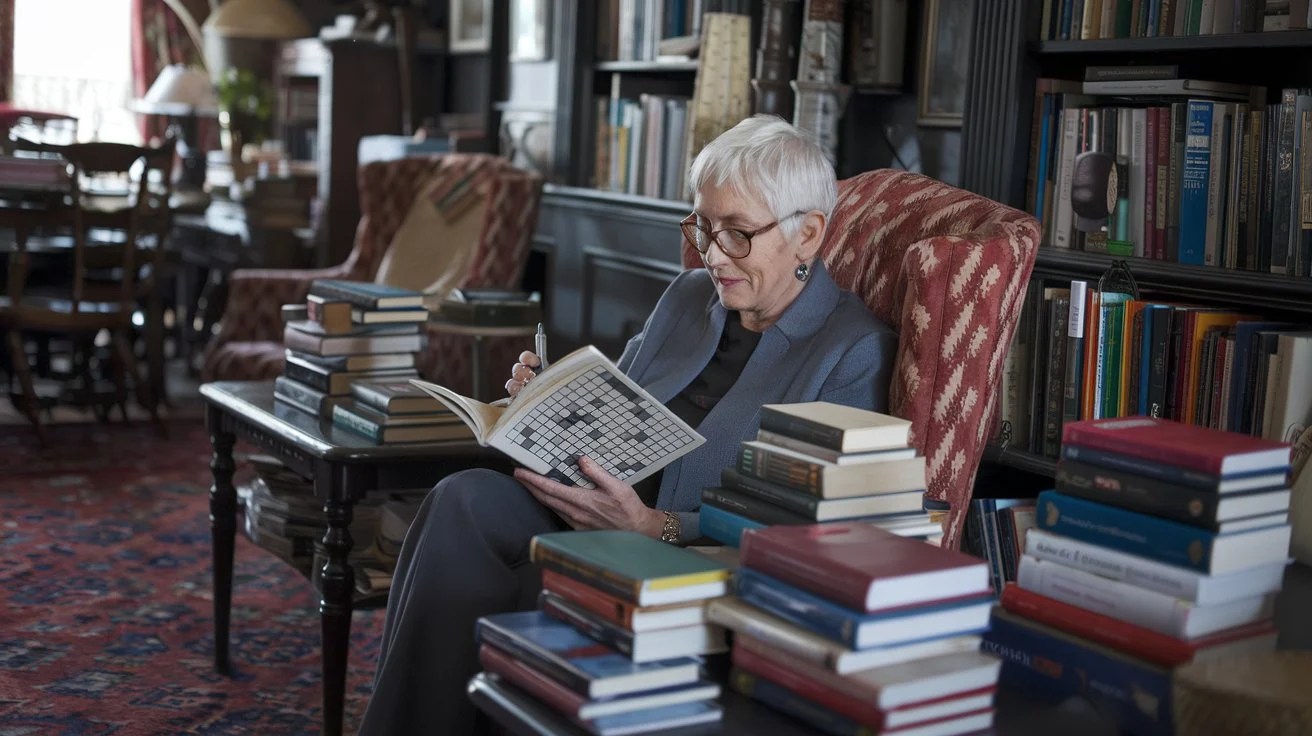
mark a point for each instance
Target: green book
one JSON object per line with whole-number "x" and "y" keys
{"x": 631, "y": 566}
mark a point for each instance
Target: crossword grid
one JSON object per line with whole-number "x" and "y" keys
{"x": 598, "y": 415}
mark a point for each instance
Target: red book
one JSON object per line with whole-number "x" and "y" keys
{"x": 862, "y": 567}
{"x": 560, "y": 698}
{"x": 1136, "y": 641}
{"x": 1177, "y": 444}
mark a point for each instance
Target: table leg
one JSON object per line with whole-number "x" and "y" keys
{"x": 337, "y": 585}
{"x": 223, "y": 529}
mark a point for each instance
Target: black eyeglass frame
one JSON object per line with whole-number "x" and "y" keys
{"x": 689, "y": 227}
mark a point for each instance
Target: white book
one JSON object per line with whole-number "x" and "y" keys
{"x": 1178, "y": 582}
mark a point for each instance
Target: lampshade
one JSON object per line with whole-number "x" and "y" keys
{"x": 179, "y": 90}
{"x": 263, "y": 19}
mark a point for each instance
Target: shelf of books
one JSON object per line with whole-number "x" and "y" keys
{"x": 1175, "y": 275}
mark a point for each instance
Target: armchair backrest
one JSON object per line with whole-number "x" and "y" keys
{"x": 946, "y": 269}
{"x": 388, "y": 190}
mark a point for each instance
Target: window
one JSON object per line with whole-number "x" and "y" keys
{"x": 74, "y": 57}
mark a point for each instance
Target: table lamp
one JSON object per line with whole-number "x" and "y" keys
{"x": 183, "y": 94}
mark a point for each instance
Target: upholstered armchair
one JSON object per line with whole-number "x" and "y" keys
{"x": 248, "y": 345}
{"x": 946, "y": 269}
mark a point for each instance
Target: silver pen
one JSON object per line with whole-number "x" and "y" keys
{"x": 540, "y": 347}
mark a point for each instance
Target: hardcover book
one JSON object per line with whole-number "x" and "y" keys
{"x": 581, "y": 405}
{"x": 367, "y": 295}
{"x": 836, "y": 427}
{"x": 863, "y": 567}
{"x": 577, "y": 662}
{"x": 632, "y": 566}
{"x": 1174, "y": 443}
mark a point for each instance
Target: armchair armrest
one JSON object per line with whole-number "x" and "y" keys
{"x": 255, "y": 297}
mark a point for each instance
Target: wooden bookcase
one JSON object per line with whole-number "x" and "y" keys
{"x": 1010, "y": 55}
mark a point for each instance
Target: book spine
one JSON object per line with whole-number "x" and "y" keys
{"x": 806, "y": 448}
{"x": 559, "y": 698}
{"x": 548, "y": 663}
{"x": 1127, "y": 531}
{"x": 724, "y": 526}
{"x": 299, "y": 373}
{"x": 782, "y": 699}
{"x": 352, "y": 422}
{"x": 603, "y": 631}
{"x": 802, "y": 504}
{"x": 598, "y": 577}
{"x": 776, "y": 634}
{"x": 752, "y": 508}
{"x": 813, "y": 574}
{"x": 1159, "y": 649}
{"x": 1147, "y": 574}
{"x": 299, "y": 393}
{"x": 1135, "y": 696}
{"x": 860, "y": 709}
{"x": 611, "y": 609}
{"x": 828, "y": 621}
{"x": 788, "y": 471}
{"x": 1139, "y": 466}
{"x": 830, "y": 438}
{"x": 1145, "y": 495}
{"x": 334, "y": 293}
{"x": 1112, "y": 598}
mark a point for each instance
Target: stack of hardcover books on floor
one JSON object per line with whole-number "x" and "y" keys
{"x": 1164, "y": 543}
{"x": 856, "y": 630}
{"x": 616, "y": 646}
{"x": 348, "y": 331}
{"x": 819, "y": 462}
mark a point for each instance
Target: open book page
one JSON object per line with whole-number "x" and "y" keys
{"x": 481, "y": 418}
{"x": 583, "y": 405}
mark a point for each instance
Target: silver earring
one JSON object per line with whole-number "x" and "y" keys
{"x": 802, "y": 272}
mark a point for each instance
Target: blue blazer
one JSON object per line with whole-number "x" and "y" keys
{"x": 827, "y": 346}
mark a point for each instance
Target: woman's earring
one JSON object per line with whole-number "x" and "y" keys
{"x": 802, "y": 272}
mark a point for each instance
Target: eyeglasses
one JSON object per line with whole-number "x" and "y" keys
{"x": 735, "y": 243}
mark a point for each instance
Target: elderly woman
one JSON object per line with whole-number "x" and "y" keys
{"x": 761, "y": 323}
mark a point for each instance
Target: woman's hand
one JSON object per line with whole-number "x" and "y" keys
{"x": 613, "y": 504}
{"x": 522, "y": 373}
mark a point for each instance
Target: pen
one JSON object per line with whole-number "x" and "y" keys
{"x": 540, "y": 347}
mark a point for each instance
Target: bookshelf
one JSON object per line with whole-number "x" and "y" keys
{"x": 1013, "y": 53}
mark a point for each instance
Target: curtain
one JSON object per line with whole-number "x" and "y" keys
{"x": 159, "y": 39}
{"x": 6, "y": 50}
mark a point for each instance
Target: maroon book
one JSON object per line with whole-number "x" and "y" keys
{"x": 862, "y": 567}
{"x": 1179, "y": 445}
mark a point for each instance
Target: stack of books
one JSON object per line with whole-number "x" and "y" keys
{"x": 348, "y": 331}
{"x": 1164, "y": 543}
{"x": 854, "y": 629}
{"x": 390, "y": 411}
{"x": 617, "y": 644}
{"x": 820, "y": 462}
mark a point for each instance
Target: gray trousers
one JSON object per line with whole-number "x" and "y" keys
{"x": 465, "y": 556}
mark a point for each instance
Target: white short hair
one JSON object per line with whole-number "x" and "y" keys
{"x": 767, "y": 158}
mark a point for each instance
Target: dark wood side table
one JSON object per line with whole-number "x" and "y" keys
{"x": 345, "y": 468}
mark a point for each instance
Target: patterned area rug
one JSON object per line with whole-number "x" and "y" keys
{"x": 105, "y": 603}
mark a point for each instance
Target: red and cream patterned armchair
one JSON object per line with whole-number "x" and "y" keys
{"x": 248, "y": 345}
{"x": 947, "y": 269}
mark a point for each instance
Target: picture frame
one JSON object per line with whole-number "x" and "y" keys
{"x": 945, "y": 62}
{"x": 530, "y": 24}
{"x": 471, "y": 26}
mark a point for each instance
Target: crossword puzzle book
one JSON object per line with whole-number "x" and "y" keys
{"x": 580, "y": 405}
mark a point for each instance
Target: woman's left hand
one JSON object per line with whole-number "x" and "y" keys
{"x": 613, "y": 504}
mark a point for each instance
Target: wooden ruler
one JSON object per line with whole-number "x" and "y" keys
{"x": 722, "y": 93}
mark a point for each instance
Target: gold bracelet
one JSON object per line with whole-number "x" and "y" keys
{"x": 673, "y": 527}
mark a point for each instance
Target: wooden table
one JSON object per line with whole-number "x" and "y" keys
{"x": 344, "y": 468}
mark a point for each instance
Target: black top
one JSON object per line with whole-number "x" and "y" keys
{"x": 695, "y": 401}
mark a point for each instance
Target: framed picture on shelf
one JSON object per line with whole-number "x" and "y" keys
{"x": 945, "y": 62}
{"x": 529, "y": 36}
{"x": 471, "y": 26}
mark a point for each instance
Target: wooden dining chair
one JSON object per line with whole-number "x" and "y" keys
{"x": 83, "y": 306}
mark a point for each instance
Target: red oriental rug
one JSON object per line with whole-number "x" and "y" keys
{"x": 105, "y": 604}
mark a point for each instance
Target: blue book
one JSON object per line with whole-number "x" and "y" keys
{"x": 1146, "y": 351}
{"x": 858, "y": 630}
{"x": 1160, "y": 539}
{"x": 655, "y": 719}
{"x": 724, "y": 526}
{"x": 1245, "y": 342}
{"x": 1195, "y": 178}
{"x": 1053, "y": 665}
{"x": 576, "y": 661}
{"x": 367, "y": 295}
